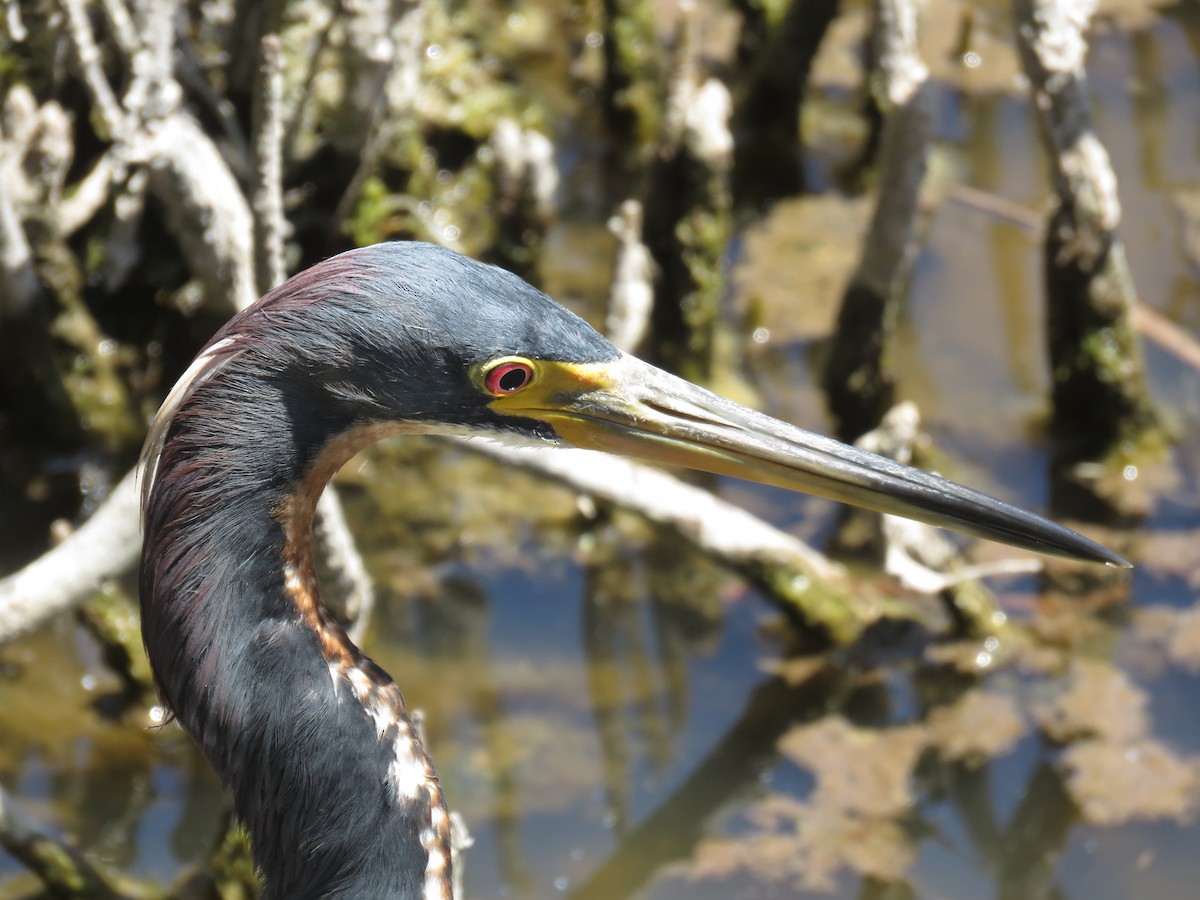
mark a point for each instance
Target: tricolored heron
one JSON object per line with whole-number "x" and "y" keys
{"x": 326, "y": 768}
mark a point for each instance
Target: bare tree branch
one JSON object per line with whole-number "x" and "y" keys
{"x": 105, "y": 546}
{"x": 269, "y": 223}
{"x": 1099, "y": 391}
{"x": 631, "y": 297}
{"x": 400, "y": 82}
{"x": 13, "y": 21}
{"x": 357, "y": 595}
{"x": 206, "y": 209}
{"x": 90, "y": 194}
{"x": 87, "y": 58}
{"x": 858, "y": 377}
{"x": 17, "y": 276}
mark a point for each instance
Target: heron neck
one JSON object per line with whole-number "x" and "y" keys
{"x": 314, "y": 740}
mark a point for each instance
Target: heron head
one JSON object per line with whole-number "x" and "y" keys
{"x": 423, "y": 337}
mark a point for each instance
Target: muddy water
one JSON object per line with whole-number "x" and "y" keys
{"x": 596, "y": 695}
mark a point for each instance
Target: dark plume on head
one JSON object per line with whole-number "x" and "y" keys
{"x": 394, "y": 329}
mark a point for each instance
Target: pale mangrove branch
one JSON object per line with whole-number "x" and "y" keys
{"x": 923, "y": 558}
{"x": 631, "y": 297}
{"x": 858, "y": 379}
{"x": 35, "y": 391}
{"x": 526, "y": 181}
{"x": 688, "y": 212}
{"x": 1101, "y": 403}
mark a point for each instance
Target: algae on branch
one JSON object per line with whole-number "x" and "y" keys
{"x": 439, "y": 150}
{"x": 114, "y": 620}
{"x": 94, "y": 377}
{"x": 634, "y": 70}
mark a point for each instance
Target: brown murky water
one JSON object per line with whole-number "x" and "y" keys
{"x": 596, "y": 696}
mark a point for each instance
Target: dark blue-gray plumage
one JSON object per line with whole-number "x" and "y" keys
{"x": 312, "y": 738}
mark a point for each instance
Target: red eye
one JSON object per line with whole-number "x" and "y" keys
{"x": 508, "y": 378}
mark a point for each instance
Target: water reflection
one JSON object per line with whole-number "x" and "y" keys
{"x": 639, "y": 630}
{"x": 730, "y": 772}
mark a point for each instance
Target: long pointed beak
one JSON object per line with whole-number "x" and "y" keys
{"x": 634, "y": 409}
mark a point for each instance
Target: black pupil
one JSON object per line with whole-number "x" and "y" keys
{"x": 513, "y": 379}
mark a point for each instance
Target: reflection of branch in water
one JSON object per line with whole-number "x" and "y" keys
{"x": 688, "y": 615}
{"x": 503, "y": 763}
{"x": 1035, "y": 839}
{"x": 672, "y": 628}
{"x": 647, "y": 687}
{"x": 645, "y": 616}
{"x": 656, "y": 739}
{"x": 804, "y": 584}
{"x": 456, "y": 626}
{"x": 607, "y": 577}
{"x": 61, "y": 867}
{"x": 729, "y": 771}
{"x": 1022, "y": 857}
